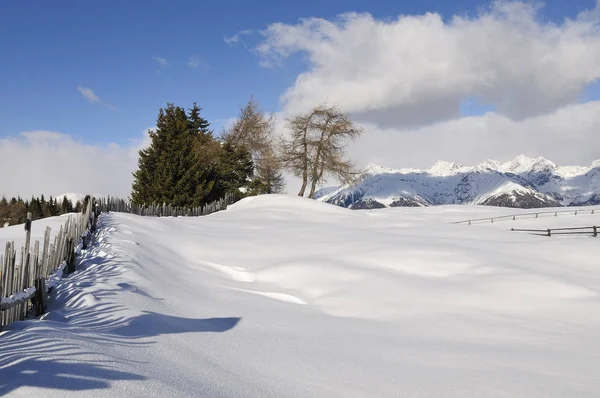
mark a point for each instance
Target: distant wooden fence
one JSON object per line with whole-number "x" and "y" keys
{"x": 113, "y": 204}
{"x": 593, "y": 231}
{"x": 521, "y": 216}
{"x": 26, "y": 281}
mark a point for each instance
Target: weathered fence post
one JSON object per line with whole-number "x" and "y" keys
{"x": 40, "y": 299}
{"x": 70, "y": 256}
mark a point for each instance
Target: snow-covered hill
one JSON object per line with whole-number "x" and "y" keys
{"x": 289, "y": 297}
{"x": 522, "y": 182}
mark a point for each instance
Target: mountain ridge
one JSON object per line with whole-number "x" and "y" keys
{"x": 521, "y": 182}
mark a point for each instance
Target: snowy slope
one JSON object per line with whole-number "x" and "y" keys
{"x": 16, "y": 233}
{"x": 282, "y": 296}
{"x": 522, "y": 182}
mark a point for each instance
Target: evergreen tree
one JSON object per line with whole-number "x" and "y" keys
{"x": 35, "y": 207}
{"x": 51, "y": 209}
{"x": 235, "y": 169}
{"x": 66, "y": 206}
{"x": 178, "y": 167}
{"x": 86, "y": 200}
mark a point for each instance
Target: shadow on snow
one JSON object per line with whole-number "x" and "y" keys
{"x": 79, "y": 347}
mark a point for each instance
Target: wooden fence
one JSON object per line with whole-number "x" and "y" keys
{"x": 113, "y": 204}
{"x": 521, "y": 216}
{"x": 24, "y": 284}
{"x": 26, "y": 280}
{"x": 593, "y": 231}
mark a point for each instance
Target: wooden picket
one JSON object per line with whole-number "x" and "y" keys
{"x": 24, "y": 272}
{"x": 23, "y": 282}
{"x": 112, "y": 204}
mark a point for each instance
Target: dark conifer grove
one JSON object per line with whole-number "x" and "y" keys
{"x": 14, "y": 211}
{"x": 185, "y": 165}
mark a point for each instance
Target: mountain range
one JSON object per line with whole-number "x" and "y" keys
{"x": 522, "y": 182}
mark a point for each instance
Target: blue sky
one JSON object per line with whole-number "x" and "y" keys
{"x": 81, "y": 81}
{"x": 50, "y": 48}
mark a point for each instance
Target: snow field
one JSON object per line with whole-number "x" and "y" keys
{"x": 284, "y": 296}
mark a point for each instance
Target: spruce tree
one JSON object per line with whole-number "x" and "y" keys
{"x": 35, "y": 207}
{"x": 235, "y": 169}
{"x": 172, "y": 169}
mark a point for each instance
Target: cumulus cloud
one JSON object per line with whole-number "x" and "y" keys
{"x": 50, "y": 163}
{"x": 162, "y": 62}
{"x": 194, "y": 62}
{"x": 416, "y": 69}
{"x": 91, "y": 96}
{"x": 567, "y": 136}
{"x": 236, "y": 38}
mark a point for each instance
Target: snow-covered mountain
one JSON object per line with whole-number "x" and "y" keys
{"x": 522, "y": 182}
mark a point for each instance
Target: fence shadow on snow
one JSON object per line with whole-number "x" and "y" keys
{"x": 84, "y": 344}
{"x": 28, "y": 274}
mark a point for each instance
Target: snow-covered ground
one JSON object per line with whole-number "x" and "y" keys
{"x": 16, "y": 233}
{"x": 288, "y": 297}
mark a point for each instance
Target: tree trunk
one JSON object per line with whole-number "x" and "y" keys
{"x": 304, "y": 178}
{"x": 311, "y": 195}
{"x": 316, "y": 175}
{"x": 304, "y": 164}
{"x": 318, "y": 178}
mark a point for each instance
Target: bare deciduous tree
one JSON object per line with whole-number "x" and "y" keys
{"x": 316, "y": 148}
{"x": 255, "y": 131}
{"x": 295, "y": 149}
{"x": 268, "y": 171}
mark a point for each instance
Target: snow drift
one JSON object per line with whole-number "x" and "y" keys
{"x": 283, "y": 296}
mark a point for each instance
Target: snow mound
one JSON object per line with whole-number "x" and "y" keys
{"x": 286, "y": 296}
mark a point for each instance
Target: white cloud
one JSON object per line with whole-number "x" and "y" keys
{"x": 52, "y": 163}
{"x": 194, "y": 62}
{"x": 91, "y": 96}
{"x": 415, "y": 70}
{"x": 230, "y": 40}
{"x": 162, "y": 62}
{"x": 88, "y": 94}
{"x": 567, "y": 136}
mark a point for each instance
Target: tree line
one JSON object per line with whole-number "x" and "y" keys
{"x": 186, "y": 164}
{"x": 14, "y": 211}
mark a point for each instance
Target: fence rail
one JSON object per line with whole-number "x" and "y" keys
{"x": 593, "y": 231}
{"x": 113, "y": 204}
{"x": 29, "y": 279}
{"x": 521, "y": 216}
